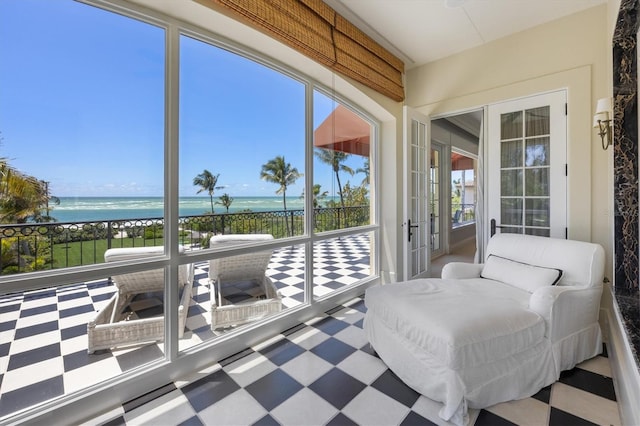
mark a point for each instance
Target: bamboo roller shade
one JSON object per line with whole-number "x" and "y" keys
{"x": 316, "y": 30}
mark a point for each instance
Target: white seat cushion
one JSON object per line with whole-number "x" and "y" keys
{"x": 471, "y": 322}
{"x": 157, "y": 275}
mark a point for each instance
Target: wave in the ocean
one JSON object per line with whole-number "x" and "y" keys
{"x": 79, "y": 209}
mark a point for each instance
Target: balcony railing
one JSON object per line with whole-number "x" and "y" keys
{"x": 462, "y": 214}
{"x": 39, "y": 246}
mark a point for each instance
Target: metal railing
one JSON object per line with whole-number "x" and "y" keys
{"x": 462, "y": 214}
{"x": 38, "y": 246}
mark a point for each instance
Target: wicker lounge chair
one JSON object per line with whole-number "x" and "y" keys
{"x": 110, "y": 329}
{"x": 250, "y": 294}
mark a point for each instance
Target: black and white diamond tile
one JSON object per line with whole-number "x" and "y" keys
{"x": 43, "y": 334}
{"x": 319, "y": 373}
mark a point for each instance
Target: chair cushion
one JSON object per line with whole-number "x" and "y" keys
{"x": 127, "y": 253}
{"x": 519, "y": 274}
{"x": 460, "y": 323}
{"x": 248, "y": 266}
{"x": 131, "y": 253}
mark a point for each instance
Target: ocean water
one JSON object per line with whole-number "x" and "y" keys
{"x": 86, "y": 209}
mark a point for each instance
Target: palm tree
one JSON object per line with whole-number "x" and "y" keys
{"x": 21, "y": 196}
{"x": 49, "y": 199}
{"x": 207, "y": 182}
{"x": 335, "y": 159}
{"x": 226, "y": 201}
{"x": 364, "y": 169}
{"x": 317, "y": 195}
{"x": 278, "y": 171}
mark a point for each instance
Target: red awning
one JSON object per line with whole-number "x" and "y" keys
{"x": 461, "y": 162}
{"x": 343, "y": 130}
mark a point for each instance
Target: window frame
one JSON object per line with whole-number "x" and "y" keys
{"x": 77, "y": 405}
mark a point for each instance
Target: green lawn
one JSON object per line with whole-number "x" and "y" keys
{"x": 90, "y": 252}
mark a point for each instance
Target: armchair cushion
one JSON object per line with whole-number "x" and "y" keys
{"x": 518, "y": 274}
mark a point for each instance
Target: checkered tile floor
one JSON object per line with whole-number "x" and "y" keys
{"x": 43, "y": 334}
{"x": 324, "y": 372}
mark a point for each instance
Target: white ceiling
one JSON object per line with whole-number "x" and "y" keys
{"x": 421, "y": 31}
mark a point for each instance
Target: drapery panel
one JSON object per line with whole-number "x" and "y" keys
{"x": 314, "y": 29}
{"x": 481, "y": 225}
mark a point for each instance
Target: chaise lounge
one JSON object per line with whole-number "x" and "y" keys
{"x": 493, "y": 332}
{"x": 111, "y": 327}
{"x": 241, "y": 291}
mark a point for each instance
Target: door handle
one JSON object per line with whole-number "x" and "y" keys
{"x": 493, "y": 227}
{"x": 409, "y": 227}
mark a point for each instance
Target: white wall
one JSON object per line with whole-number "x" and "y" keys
{"x": 570, "y": 54}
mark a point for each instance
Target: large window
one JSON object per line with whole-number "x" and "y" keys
{"x": 82, "y": 122}
{"x": 162, "y": 192}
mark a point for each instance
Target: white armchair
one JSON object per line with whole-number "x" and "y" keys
{"x": 492, "y": 332}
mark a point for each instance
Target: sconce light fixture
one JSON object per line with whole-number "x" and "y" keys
{"x": 602, "y": 121}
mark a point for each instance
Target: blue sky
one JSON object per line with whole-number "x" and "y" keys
{"x": 82, "y": 106}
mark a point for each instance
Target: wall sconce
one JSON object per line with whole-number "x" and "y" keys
{"x": 602, "y": 121}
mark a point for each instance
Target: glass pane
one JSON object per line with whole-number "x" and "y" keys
{"x": 537, "y": 212}
{"x": 82, "y": 124}
{"x": 414, "y": 157}
{"x": 435, "y": 163}
{"x": 330, "y": 256}
{"x": 511, "y": 125}
{"x": 415, "y": 184}
{"x": 510, "y": 230}
{"x": 537, "y": 152}
{"x": 538, "y": 232}
{"x": 341, "y": 166}
{"x": 537, "y": 121}
{"x": 511, "y": 154}
{"x": 537, "y": 182}
{"x": 423, "y": 185}
{"x": 424, "y": 232}
{"x": 223, "y": 171}
{"x": 511, "y": 211}
{"x": 234, "y": 290}
{"x": 435, "y": 242}
{"x": 72, "y": 324}
{"x": 235, "y": 191}
{"x": 510, "y": 183}
{"x": 422, "y": 134}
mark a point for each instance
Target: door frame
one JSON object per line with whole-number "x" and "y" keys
{"x": 444, "y": 201}
{"x": 410, "y": 115}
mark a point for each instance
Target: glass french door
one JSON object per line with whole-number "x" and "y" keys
{"x": 527, "y": 166}
{"x": 417, "y": 225}
{"x": 435, "y": 184}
